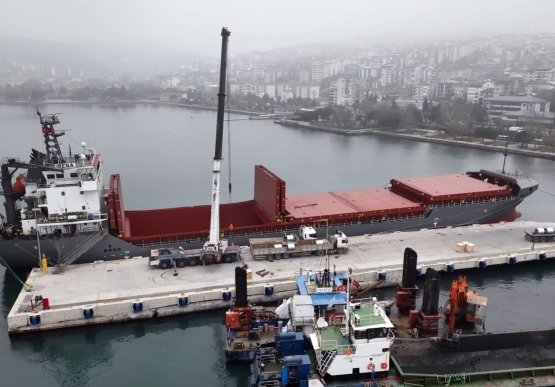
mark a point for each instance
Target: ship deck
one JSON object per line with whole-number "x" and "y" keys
{"x": 349, "y": 204}
{"x": 332, "y": 337}
{"x": 447, "y": 187}
{"x": 111, "y": 287}
{"x": 367, "y": 318}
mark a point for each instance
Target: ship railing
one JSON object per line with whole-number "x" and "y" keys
{"x": 72, "y": 216}
{"x": 336, "y": 320}
{"x": 330, "y": 345}
{"x": 390, "y": 336}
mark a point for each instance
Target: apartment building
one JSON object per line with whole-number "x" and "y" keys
{"x": 445, "y": 89}
{"x": 420, "y": 91}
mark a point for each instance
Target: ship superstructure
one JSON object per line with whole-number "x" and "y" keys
{"x": 355, "y": 343}
{"x": 62, "y": 198}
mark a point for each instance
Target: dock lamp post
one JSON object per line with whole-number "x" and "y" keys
{"x": 37, "y": 211}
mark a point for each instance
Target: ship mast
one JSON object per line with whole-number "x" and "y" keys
{"x": 53, "y": 151}
{"x": 211, "y": 247}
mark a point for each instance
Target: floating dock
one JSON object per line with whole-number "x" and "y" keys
{"x": 123, "y": 290}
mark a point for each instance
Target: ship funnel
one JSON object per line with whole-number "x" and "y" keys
{"x": 409, "y": 268}
{"x": 240, "y": 287}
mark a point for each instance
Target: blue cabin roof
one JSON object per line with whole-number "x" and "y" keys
{"x": 320, "y": 299}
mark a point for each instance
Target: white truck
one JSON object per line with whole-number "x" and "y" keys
{"x": 545, "y": 234}
{"x": 291, "y": 245}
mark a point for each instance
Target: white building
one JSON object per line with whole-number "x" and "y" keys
{"x": 307, "y": 91}
{"x": 169, "y": 82}
{"x": 337, "y": 93}
{"x": 420, "y": 91}
{"x": 304, "y": 75}
{"x": 318, "y": 73}
{"x": 508, "y": 104}
{"x": 388, "y": 75}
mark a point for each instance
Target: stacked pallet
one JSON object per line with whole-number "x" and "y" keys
{"x": 465, "y": 247}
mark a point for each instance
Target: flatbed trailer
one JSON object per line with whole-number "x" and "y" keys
{"x": 292, "y": 246}
{"x": 546, "y": 234}
{"x": 165, "y": 257}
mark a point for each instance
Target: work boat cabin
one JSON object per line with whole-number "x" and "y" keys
{"x": 354, "y": 343}
{"x": 68, "y": 198}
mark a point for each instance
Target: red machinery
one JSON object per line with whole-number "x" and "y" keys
{"x": 243, "y": 314}
{"x": 464, "y": 305}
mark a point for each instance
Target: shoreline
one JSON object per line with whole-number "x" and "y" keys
{"x": 130, "y": 102}
{"x": 465, "y": 144}
{"x": 306, "y": 125}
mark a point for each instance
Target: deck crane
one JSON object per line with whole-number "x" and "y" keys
{"x": 214, "y": 247}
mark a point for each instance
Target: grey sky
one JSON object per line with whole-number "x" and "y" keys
{"x": 261, "y": 25}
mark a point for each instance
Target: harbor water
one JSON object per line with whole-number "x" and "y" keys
{"x": 164, "y": 156}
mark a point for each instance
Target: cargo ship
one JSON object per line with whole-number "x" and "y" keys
{"x": 61, "y": 208}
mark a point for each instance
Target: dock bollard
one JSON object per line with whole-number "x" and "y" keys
{"x": 44, "y": 264}
{"x": 183, "y": 300}
{"x": 268, "y": 290}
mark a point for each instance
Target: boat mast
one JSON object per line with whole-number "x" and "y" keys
{"x": 211, "y": 247}
{"x": 53, "y": 151}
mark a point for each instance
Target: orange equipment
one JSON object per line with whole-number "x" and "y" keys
{"x": 19, "y": 185}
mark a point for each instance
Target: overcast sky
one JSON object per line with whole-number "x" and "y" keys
{"x": 262, "y": 25}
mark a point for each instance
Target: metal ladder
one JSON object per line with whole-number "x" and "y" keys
{"x": 79, "y": 250}
{"x": 327, "y": 359}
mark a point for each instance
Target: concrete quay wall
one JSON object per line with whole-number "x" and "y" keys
{"x": 109, "y": 289}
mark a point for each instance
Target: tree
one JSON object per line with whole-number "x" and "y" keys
{"x": 425, "y": 107}
{"x": 389, "y": 118}
{"x": 371, "y": 115}
{"x": 456, "y": 116}
{"x": 366, "y": 106}
{"x": 523, "y": 137}
{"x": 63, "y": 91}
{"x": 122, "y": 92}
{"x": 342, "y": 116}
{"x": 484, "y": 133}
{"x": 324, "y": 114}
{"x": 412, "y": 116}
{"x": 478, "y": 113}
{"x": 37, "y": 94}
{"x": 435, "y": 113}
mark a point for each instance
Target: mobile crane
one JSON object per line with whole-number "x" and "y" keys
{"x": 214, "y": 248}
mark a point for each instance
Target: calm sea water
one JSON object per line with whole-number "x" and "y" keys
{"x": 164, "y": 155}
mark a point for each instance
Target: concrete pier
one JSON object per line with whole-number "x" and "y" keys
{"x": 123, "y": 290}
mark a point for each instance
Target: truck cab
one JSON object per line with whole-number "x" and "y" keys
{"x": 307, "y": 232}
{"x": 340, "y": 242}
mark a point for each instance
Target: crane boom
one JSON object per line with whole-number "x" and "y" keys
{"x": 212, "y": 248}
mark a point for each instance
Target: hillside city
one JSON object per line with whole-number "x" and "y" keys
{"x": 495, "y": 89}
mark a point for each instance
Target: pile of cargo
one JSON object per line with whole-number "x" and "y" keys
{"x": 465, "y": 247}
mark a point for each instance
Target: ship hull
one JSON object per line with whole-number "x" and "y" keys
{"x": 21, "y": 253}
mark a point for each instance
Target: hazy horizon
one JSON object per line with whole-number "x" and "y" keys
{"x": 256, "y": 27}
